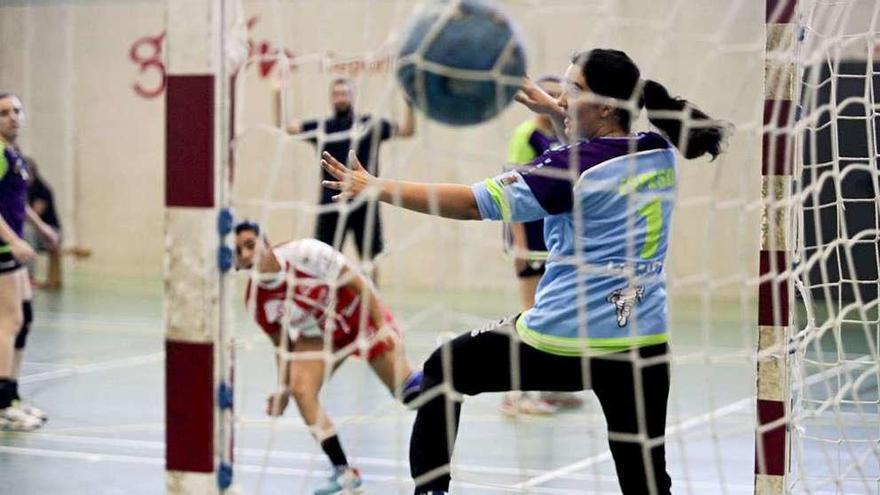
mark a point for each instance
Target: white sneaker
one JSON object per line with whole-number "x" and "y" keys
{"x": 31, "y": 410}
{"x": 15, "y": 419}
{"x": 344, "y": 481}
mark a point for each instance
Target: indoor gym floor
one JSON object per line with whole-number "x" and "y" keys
{"x": 95, "y": 363}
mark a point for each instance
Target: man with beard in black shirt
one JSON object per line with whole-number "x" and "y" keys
{"x": 344, "y": 131}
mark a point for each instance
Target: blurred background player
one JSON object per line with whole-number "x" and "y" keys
{"x": 343, "y": 131}
{"x": 42, "y": 201}
{"x": 328, "y": 310}
{"x": 16, "y": 312}
{"x": 526, "y": 241}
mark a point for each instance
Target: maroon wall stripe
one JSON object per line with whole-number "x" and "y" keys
{"x": 772, "y": 441}
{"x": 780, "y": 11}
{"x": 773, "y": 293}
{"x": 189, "y": 141}
{"x": 189, "y": 406}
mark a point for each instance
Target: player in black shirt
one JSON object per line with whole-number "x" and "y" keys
{"x": 42, "y": 201}
{"x": 346, "y": 130}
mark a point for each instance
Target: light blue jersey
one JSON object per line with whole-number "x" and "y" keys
{"x": 606, "y": 205}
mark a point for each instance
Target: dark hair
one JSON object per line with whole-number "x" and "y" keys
{"x": 342, "y": 80}
{"x": 247, "y": 226}
{"x": 6, "y": 94}
{"x": 613, "y": 74}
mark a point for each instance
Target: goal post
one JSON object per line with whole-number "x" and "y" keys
{"x": 818, "y": 374}
{"x": 198, "y": 362}
{"x": 772, "y": 405}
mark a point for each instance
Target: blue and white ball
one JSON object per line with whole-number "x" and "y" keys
{"x": 461, "y": 61}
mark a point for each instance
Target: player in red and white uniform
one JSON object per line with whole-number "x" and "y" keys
{"x": 329, "y": 310}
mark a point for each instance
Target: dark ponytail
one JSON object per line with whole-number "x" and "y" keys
{"x": 613, "y": 74}
{"x": 703, "y": 134}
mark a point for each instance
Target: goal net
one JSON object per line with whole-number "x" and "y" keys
{"x": 834, "y": 373}
{"x": 810, "y": 274}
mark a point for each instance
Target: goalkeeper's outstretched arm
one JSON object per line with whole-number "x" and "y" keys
{"x": 454, "y": 201}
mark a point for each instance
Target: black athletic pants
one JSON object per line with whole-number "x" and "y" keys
{"x": 480, "y": 361}
{"x": 369, "y": 243}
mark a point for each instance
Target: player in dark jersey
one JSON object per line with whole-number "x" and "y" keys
{"x": 15, "y": 286}
{"x": 313, "y": 295}
{"x": 41, "y": 199}
{"x": 343, "y": 131}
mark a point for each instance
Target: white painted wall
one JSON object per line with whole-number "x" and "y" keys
{"x": 101, "y": 145}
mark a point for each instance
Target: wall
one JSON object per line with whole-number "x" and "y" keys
{"x": 101, "y": 144}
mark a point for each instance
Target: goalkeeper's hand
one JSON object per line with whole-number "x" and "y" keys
{"x": 537, "y": 100}
{"x": 350, "y": 182}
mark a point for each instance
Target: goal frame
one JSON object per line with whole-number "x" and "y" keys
{"x": 197, "y": 311}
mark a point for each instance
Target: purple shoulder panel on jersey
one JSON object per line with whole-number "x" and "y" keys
{"x": 541, "y": 142}
{"x": 551, "y": 176}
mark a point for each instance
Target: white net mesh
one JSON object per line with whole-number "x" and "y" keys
{"x": 835, "y": 373}
{"x": 440, "y": 276}
{"x": 68, "y": 58}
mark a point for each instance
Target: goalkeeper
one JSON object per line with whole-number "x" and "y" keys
{"x": 600, "y": 314}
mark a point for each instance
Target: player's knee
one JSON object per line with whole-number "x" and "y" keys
{"x": 25, "y": 326}
{"x": 10, "y": 323}
{"x": 21, "y": 337}
{"x": 433, "y": 368}
{"x": 435, "y": 373}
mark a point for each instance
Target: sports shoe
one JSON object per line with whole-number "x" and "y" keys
{"x": 345, "y": 480}
{"x": 15, "y": 419}
{"x": 516, "y": 404}
{"x": 412, "y": 387}
{"x": 31, "y": 410}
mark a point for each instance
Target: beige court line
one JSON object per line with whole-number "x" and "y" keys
{"x": 289, "y": 455}
{"x": 71, "y": 370}
{"x": 93, "y": 367}
{"x": 286, "y": 424}
{"x": 75, "y": 369}
{"x": 243, "y": 343}
{"x": 251, "y": 468}
{"x": 606, "y": 455}
{"x": 279, "y": 454}
{"x": 109, "y": 428}
{"x": 684, "y": 425}
{"x": 319, "y": 473}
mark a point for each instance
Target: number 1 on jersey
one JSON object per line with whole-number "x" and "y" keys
{"x": 653, "y": 213}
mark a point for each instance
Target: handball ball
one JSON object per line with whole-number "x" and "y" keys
{"x": 461, "y": 62}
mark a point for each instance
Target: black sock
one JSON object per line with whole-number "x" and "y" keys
{"x": 15, "y": 395}
{"x": 6, "y": 391}
{"x": 333, "y": 449}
